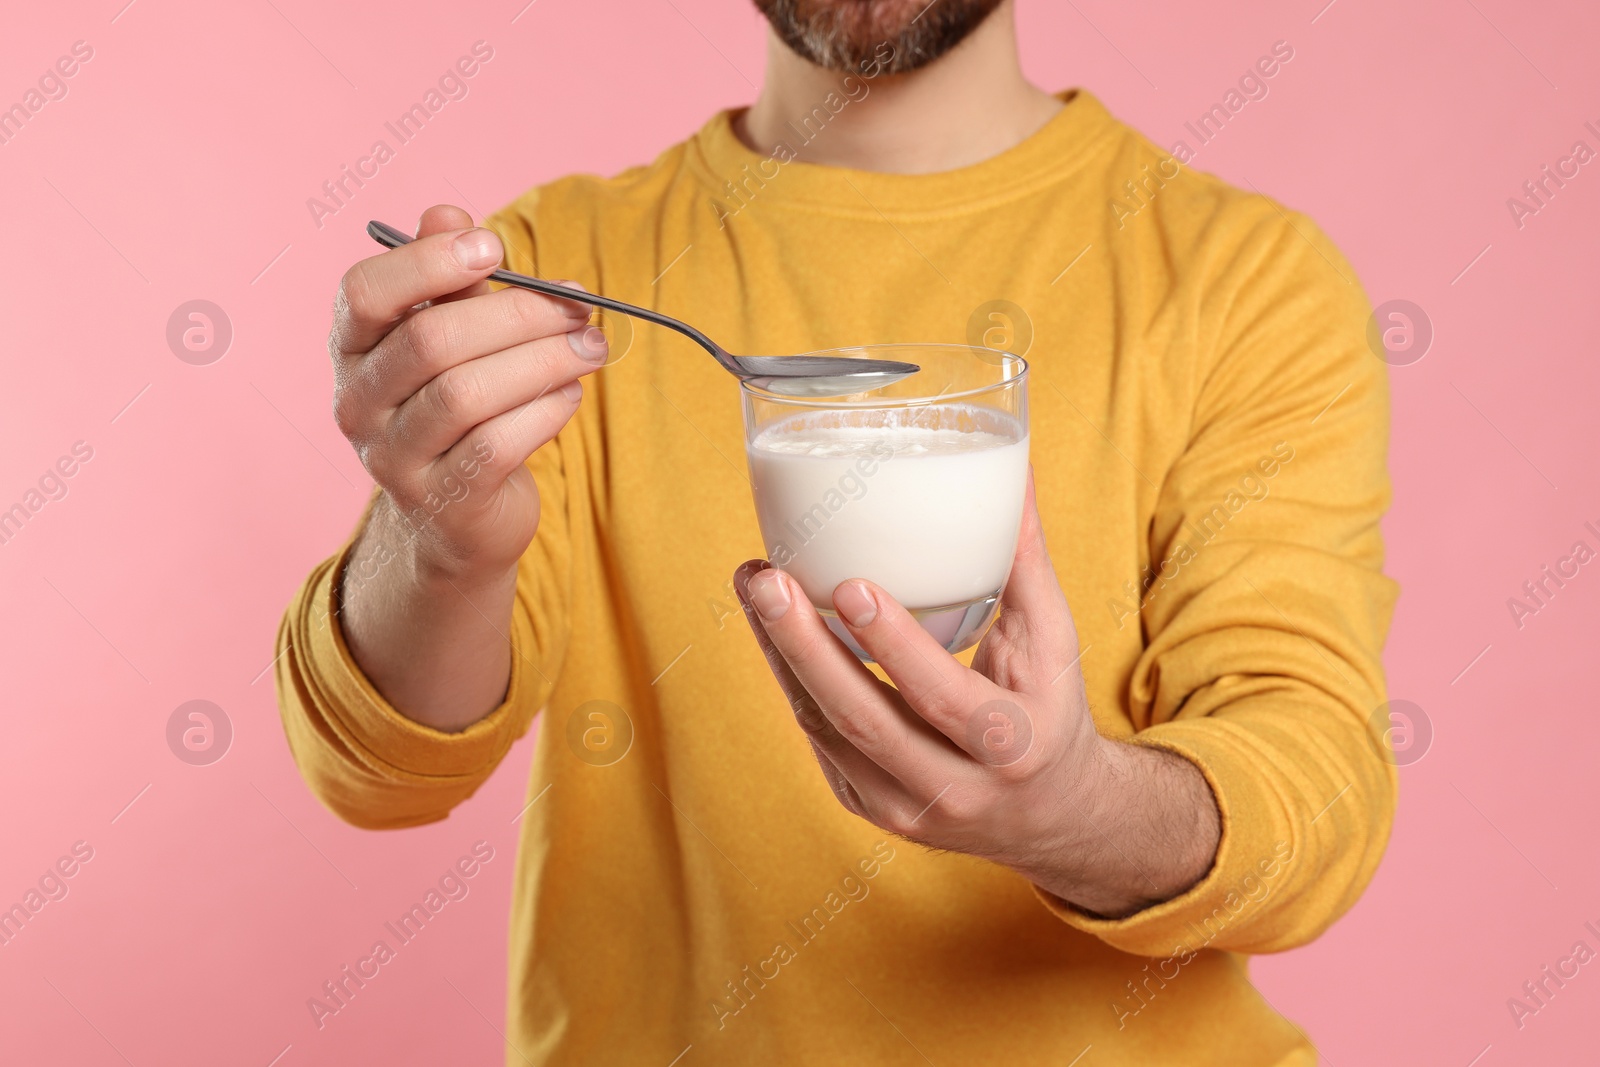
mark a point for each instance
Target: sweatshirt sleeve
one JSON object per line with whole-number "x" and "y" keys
{"x": 365, "y": 761}
{"x": 1267, "y": 611}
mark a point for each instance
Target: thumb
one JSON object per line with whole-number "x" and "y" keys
{"x": 442, "y": 218}
{"x": 1035, "y": 619}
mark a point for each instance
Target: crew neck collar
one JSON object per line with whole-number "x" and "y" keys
{"x": 1048, "y": 154}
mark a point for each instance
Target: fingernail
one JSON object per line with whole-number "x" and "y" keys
{"x": 568, "y": 283}
{"x": 476, "y": 249}
{"x": 770, "y": 595}
{"x": 855, "y": 603}
{"x": 572, "y": 391}
{"x": 589, "y": 342}
{"x": 571, "y": 305}
{"x": 743, "y": 573}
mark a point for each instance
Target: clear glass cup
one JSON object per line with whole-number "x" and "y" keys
{"x": 916, "y": 487}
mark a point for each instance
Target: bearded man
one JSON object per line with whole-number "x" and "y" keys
{"x": 740, "y": 851}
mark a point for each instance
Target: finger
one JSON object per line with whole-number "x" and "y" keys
{"x": 442, "y": 217}
{"x": 440, "y": 413}
{"x": 843, "y": 758}
{"x": 838, "y": 784}
{"x": 863, "y": 788}
{"x": 793, "y": 691}
{"x": 1035, "y": 620}
{"x": 932, "y": 681}
{"x": 376, "y": 293}
{"x": 439, "y": 219}
{"x": 439, "y": 338}
{"x": 804, "y": 706}
{"x": 497, "y": 447}
{"x": 865, "y": 712}
{"x": 868, "y": 791}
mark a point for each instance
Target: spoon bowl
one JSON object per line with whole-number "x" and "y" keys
{"x": 791, "y": 375}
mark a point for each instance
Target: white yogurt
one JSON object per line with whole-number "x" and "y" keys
{"x": 924, "y": 501}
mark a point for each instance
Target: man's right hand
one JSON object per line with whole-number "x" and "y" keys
{"x": 472, "y": 381}
{"x": 445, "y": 388}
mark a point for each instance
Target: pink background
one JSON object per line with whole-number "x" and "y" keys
{"x": 177, "y": 168}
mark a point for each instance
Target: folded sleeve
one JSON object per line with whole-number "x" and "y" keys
{"x": 1266, "y": 608}
{"x": 371, "y": 765}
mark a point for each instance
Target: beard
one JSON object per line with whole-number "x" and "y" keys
{"x": 851, "y": 35}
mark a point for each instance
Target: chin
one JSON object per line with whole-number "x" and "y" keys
{"x": 846, "y": 35}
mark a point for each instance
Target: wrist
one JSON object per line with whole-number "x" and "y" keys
{"x": 432, "y": 567}
{"x": 1055, "y": 844}
{"x": 416, "y": 628}
{"x": 1139, "y": 826}
{"x": 438, "y": 574}
{"x": 1078, "y": 844}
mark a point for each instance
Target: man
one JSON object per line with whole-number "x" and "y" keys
{"x": 1199, "y": 780}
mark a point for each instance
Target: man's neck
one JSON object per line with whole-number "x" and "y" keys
{"x": 967, "y": 106}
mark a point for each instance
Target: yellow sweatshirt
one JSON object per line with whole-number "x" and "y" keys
{"x": 1208, "y": 438}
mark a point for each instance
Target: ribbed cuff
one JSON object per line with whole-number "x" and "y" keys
{"x": 366, "y": 725}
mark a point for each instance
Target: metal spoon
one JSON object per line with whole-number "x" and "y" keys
{"x": 791, "y": 375}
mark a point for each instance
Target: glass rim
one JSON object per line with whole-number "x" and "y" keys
{"x": 883, "y": 351}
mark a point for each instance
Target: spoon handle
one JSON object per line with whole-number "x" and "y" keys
{"x": 539, "y": 285}
{"x": 390, "y": 237}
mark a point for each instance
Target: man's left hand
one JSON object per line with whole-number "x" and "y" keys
{"x": 1001, "y": 760}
